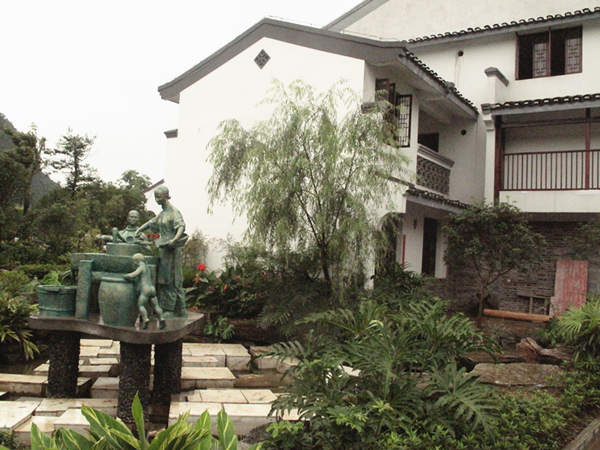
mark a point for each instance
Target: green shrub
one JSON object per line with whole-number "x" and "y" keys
{"x": 40, "y": 270}
{"x": 220, "y": 328}
{"x": 13, "y": 282}
{"x": 14, "y": 315}
{"x": 7, "y": 439}
{"x": 580, "y": 327}
{"x": 107, "y": 432}
{"x": 407, "y": 380}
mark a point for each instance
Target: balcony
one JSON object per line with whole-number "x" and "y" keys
{"x": 565, "y": 181}
{"x": 433, "y": 170}
{"x": 551, "y": 171}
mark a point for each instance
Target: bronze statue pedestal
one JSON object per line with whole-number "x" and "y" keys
{"x": 135, "y": 348}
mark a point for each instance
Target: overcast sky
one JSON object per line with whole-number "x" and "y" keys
{"x": 94, "y": 66}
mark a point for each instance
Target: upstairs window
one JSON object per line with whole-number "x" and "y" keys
{"x": 401, "y": 115}
{"x": 556, "y": 52}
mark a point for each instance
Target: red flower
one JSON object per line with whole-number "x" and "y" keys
{"x": 196, "y": 279}
{"x": 224, "y": 288}
{"x": 201, "y": 267}
{"x": 154, "y": 235}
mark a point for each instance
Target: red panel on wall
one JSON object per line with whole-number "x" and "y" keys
{"x": 570, "y": 285}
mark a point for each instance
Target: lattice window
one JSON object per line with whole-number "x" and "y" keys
{"x": 540, "y": 59}
{"x": 262, "y": 59}
{"x": 403, "y": 110}
{"x": 573, "y": 54}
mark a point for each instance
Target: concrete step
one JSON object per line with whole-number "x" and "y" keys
{"x": 233, "y": 356}
{"x": 105, "y": 387}
{"x": 96, "y": 342}
{"x": 44, "y": 423}
{"x": 15, "y": 413}
{"x": 73, "y": 419}
{"x": 85, "y": 370}
{"x": 201, "y": 361}
{"x": 206, "y": 377}
{"x": 57, "y": 406}
{"x": 232, "y": 396}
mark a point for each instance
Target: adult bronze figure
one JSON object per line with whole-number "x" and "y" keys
{"x": 171, "y": 228}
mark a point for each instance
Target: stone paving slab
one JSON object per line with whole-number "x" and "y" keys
{"x": 196, "y": 410}
{"x": 44, "y": 423}
{"x": 246, "y": 417}
{"x": 201, "y": 361}
{"x": 206, "y": 377}
{"x": 519, "y": 374}
{"x": 97, "y": 371}
{"x": 266, "y": 362}
{"x": 217, "y": 396}
{"x": 89, "y": 352}
{"x": 3, "y": 394}
{"x": 95, "y": 342}
{"x": 105, "y": 387}
{"x": 15, "y": 413}
{"x": 234, "y": 349}
{"x": 258, "y": 395}
{"x": 22, "y": 384}
{"x": 238, "y": 362}
{"x": 83, "y": 386}
{"x": 102, "y": 361}
{"x": 57, "y": 406}
{"x": 72, "y": 419}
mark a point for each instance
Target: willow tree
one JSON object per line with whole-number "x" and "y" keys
{"x": 311, "y": 177}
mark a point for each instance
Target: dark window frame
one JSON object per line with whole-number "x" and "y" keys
{"x": 395, "y": 117}
{"x": 556, "y": 56}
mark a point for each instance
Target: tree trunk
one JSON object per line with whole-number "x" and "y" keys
{"x": 480, "y": 306}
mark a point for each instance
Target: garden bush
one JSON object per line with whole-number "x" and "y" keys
{"x": 580, "y": 328}
{"x": 14, "y": 315}
{"x": 408, "y": 380}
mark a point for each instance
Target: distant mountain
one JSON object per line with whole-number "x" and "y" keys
{"x": 41, "y": 184}
{"x": 5, "y": 142}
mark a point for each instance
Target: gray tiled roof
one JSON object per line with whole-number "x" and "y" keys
{"x": 508, "y": 26}
{"x": 548, "y": 101}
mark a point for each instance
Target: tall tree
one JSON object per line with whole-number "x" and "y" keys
{"x": 28, "y": 150}
{"x": 311, "y": 176}
{"x": 69, "y": 157}
{"x": 491, "y": 240}
{"x": 132, "y": 179}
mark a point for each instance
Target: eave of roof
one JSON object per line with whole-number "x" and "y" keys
{"x": 354, "y": 15}
{"x": 454, "y": 205}
{"x": 543, "y": 104}
{"x": 370, "y": 50}
{"x": 530, "y": 24}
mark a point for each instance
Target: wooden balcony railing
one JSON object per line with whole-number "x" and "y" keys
{"x": 551, "y": 171}
{"x": 433, "y": 170}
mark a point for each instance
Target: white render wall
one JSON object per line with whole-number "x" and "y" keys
{"x": 234, "y": 91}
{"x": 406, "y": 19}
{"x": 412, "y": 228}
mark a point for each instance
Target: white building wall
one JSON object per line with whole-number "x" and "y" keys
{"x": 412, "y": 229}
{"x": 234, "y": 91}
{"x": 406, "y": 19}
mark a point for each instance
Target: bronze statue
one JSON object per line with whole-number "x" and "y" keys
{"x": 146, "y": 291}
{"x": 170, "y": 226}
{"x": 127, "y": 235}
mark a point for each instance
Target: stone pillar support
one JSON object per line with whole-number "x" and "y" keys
{"x": 167, "y": 372}
{"x": 134, "y": 377}
{"x": 63, "y": 349}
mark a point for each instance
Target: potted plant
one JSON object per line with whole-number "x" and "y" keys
{"x": 54, "y": 298}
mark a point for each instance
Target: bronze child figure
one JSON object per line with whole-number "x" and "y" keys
{"x": 146, "y": 291}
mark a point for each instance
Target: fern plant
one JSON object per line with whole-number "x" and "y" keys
{"x": 580, "y": 327}
{"x": 405, "y": 381}
{"x": 14, "y": 315}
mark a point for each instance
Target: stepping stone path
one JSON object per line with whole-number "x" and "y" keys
{"x": 206, "y": 375}
{"x": 247, "y": 408}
